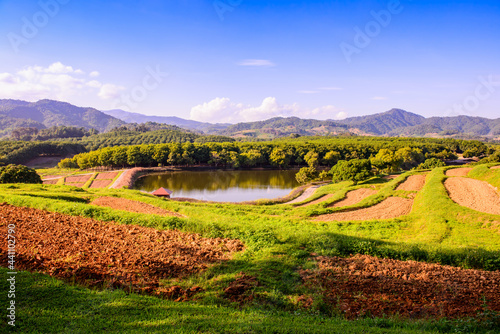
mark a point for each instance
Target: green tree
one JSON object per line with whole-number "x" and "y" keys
{"x": 279, "y": 157}
{"x": 306, "y": 174}
{"x": 331, "y": 158}
{"x": 312, "y": 159}
{"x": 355, "y": 170}
{"x": 431, "y": 164}
{"x": 18, "y": 174}
{"x": 134, "y": 156}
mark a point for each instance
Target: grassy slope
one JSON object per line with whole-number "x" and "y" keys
{"x": 279, "y": 240}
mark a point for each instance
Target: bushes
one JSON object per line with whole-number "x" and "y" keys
{"x": 356, "y": 170}
{"x": 18, "y": 174}
{"x": 431, "y": 164}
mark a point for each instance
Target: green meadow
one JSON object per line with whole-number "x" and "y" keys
{"x": 279, "y": 241}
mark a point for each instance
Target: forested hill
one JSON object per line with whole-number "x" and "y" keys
{"x": 48, "y": 113}
{"x": 279, "y": 127}
{"x": 383, "y": 123}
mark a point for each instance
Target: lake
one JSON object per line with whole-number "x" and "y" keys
{"x": 223, "y": 185}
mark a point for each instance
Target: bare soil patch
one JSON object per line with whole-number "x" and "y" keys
{"x": 495, "y": 167}
{"x": 319, "y": 200}
{"x": 44, "y": 162}
{"x": 75, "y": 184}
{"x": 78, "y": 178}
{"x": 107, "y": 254}
{"x": 106, "y": 176}
{"x": 240, "y": 289}
{"x": 100, "y": 183}
{"x": 413, "y": 183}
{"x": 305, "y": 195}
{"x": 363, "y": 285}
{"x": 132, "y": 206}
{"x": 50, "y": 177}
{"x": 458, "y": 171}
{"x": 390, "y": 177}
{"x": 354, "y": 197}
{"x": 473, "y": 194}
{"x": 50, "y": 181}
{"x": 391, "y": 207}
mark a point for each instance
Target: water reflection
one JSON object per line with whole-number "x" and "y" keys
{"x": 221, "y": 185}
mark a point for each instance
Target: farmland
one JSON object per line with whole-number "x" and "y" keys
{"x": 269, "y": 267}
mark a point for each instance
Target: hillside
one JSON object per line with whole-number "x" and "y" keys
{"x": 383, "y": 123}
{"x": 47, "y": 113}
{"x": 130, "y": 117}
{"x": 279, "y": 127}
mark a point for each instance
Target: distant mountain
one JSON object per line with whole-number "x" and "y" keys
{"x": 130, "y": 117}
{"x": 47, "y": 113}
{"x": 279, "y": 126}
{"x": 384, "y": 123}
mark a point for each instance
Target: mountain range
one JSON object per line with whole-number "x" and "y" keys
{"x": 395, "y": 122}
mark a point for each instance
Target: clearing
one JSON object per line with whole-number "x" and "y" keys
{"x": 132, "y": 206}
{"x": 354, "y": 197}
{"x": 413, "y": 183}
{"x": 363, "y": 285}
{"x": 458, "y": 171}
{"x": 107, "y": 254}
{"x": 473, "y": 194}
{"x": 391, "y": 207}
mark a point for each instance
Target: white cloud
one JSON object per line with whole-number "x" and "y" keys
{"x": 222, "y": 110}
{"x": 110, "y": 91}
{"x": 57, "y": 81}
{"x": 379, "y": 98}
{"x": 94, "y": 74}
{"x": 257, "y": 63}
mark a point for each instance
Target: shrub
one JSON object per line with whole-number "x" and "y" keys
{"x": 356, "y": 170}
{"x": 431, "y": 164}
{"x": 18, "y": 174}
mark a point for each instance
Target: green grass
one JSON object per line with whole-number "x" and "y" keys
{"x": 279, "y": 240}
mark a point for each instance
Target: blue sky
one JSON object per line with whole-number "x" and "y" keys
{"x": 242, "y": 60}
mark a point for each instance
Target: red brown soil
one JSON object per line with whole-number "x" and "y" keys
{"x": 107, "y": 254}
{"x": 473, "y": 194}
{"x": 46, "y": 177}
{"x": 106, "y": 176}
{"x": 363, "y": 285}
{"x": 495, "y": 167}
{"x": 413, "y": 183}
{"x": 391, "y": 207}
{"x": 100, "y": 183}
{"x": 458, "y": 171}
{"x": 354, "y": 197}
{"x": 240, "y": 289}
{"x": 78, "y": 178}
{"x": 50, "y": 181}
{"x": 319, "y": 200}
{"x": 78, "y": 184}
{"x": 132, "y": 206}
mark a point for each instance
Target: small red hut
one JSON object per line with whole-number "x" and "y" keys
{"x": 162, "y": 192}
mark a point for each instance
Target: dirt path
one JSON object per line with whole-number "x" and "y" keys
{"x": 473, "y": 194}
{"x": 305, "y": 195}
{"x": 458, "y": 171}
{"x": 390, "y": 208}
{"x": 132, "y": 206}
{"x": 107, "y": 254}
{"x": 413, "y": 183}
{"x": 364, "y": 284}
{"x": 319, "y": 200}
{"x": 354, "y": 197}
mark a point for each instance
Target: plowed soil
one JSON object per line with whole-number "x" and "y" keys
{"x": 458, "y": 171}
{"x": 50, "y": 181}
{"x": 413, "y": 183}
{"x": 363, "y": 285}
{"x": 354, "y": 197}
{"x": 107, "y": 254}
{"x": 319, "y": 200}
{"x": 132, "y": 206}
{"x": 106, "y": 176}
{"x": 495, "y": 167}
{"x": 391, "y": 207}
{"x": 80, "y": 184}
{"x": 78, "y": 178}
{"x": 100, "y": 183}
{"x": 473, "y": 194}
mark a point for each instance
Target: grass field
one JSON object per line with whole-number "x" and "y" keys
{"x": 280, "y": 241}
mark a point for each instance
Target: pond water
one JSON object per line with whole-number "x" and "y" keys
{"x": 223, "y": 185}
